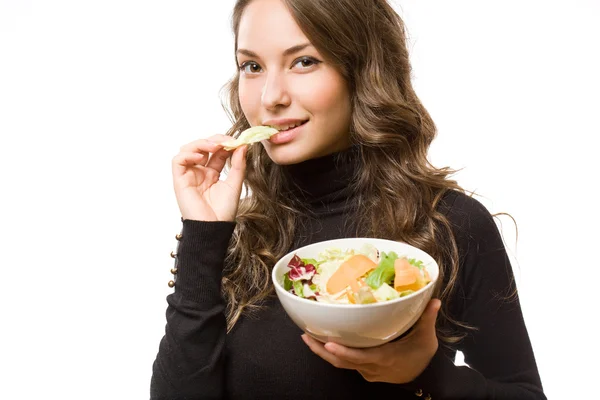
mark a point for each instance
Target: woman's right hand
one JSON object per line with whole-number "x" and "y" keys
{"x": 201, "y": 194}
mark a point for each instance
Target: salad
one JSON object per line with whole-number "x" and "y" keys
{"x": 360, "y": 276}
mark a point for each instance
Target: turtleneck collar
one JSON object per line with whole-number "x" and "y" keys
{"x": 324, "y": 184}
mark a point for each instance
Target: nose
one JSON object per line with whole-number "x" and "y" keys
{"x": 275, "y": 94}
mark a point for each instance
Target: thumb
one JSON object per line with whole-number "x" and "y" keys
{"x": 235, "y": 176}
{"x": 429, "y": 316}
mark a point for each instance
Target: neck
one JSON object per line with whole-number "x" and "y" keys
{"x": 324, "y": 183}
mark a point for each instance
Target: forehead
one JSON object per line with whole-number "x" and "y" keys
{"x": 268, "y": 25}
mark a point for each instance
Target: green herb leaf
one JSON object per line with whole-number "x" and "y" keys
{"x": 287, "y": 283}
{"x": 384, "y": 273}
{"x": 416, "y": 263}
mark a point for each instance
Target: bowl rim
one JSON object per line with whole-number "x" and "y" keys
{"x": 279, "y": 288}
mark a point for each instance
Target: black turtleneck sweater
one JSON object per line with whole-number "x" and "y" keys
{"x": 263, "y": 357}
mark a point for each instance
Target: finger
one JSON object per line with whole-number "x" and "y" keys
{"x": 319, "y": 349}
{"x": 235, "y": 176}
{"x": 218, "y": 139}
{"x": 218, "y": 159}
{"x": 355, "y": 356}
{"x": 427, "y": 321}
{"x": 183, "y": 161}
{"x": 209, "y": 145}
{"x": 188, "y": 149}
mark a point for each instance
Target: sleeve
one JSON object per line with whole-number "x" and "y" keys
{"x": 190, "y": 360}
{"x": 499, "y": 355}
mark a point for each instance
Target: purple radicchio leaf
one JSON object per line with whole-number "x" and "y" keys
{"x": 299, "y": 271}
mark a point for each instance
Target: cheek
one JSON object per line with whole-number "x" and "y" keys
{"x": 328, "y": 97}
{"x": 249, "y": 96}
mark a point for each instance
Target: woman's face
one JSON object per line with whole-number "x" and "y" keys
{"x": 285, "y": 82}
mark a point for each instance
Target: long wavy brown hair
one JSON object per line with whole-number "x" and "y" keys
{"x": 397, "y": 188}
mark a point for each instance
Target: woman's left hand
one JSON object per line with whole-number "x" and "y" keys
{"x": 398, "y": 362}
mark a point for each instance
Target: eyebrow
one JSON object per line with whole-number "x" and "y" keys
{"x": 291, "y": 50}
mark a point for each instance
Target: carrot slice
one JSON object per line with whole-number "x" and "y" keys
{"x": 406, "y": 274}
{"x": 401, "y": 263}
{"x": 350, "y": 271}
{"x": 405, "y": 277}
{"x": 355, "y": 286}
{"x": 351, "y": 297}
{"x": 418, "y": 281}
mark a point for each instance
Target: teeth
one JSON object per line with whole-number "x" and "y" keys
{"x": 286, "y": 127}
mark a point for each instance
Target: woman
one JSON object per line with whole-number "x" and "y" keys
{"x": 350, "y": 160}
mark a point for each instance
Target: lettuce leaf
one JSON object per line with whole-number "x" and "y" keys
{"x": 416, "y": 263}
{"x": 364, "y": 296}
{"x": 287, "y": 283}
{"x": 385, "y": 292}
{"x": 298, "y": 288}
{"x": 384, "y": 273}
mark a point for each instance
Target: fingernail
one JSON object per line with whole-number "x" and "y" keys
{"x": 330, "y": 347}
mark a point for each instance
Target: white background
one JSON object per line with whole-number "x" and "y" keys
{"x": 97, "y": 97}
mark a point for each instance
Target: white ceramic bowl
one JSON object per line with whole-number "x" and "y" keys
{"x": 356, "y": 325}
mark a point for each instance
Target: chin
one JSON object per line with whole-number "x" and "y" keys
{"x": 287, "y": 154}
{"x": 286, "y": 160}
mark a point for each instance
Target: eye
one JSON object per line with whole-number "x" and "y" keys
{"x": 305, "y": 62}
{"x": 250, "y": 67}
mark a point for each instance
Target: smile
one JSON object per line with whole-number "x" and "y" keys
{"x": 288, "y": 134}
{"x": 285, "y": 127}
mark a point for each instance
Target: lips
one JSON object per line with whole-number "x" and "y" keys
{"x": 287, "y": 135}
